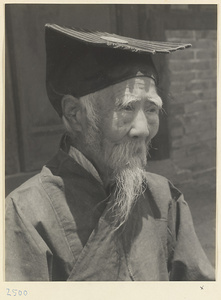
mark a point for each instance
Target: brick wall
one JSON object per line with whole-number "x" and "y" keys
{"x": 192, "y": 107}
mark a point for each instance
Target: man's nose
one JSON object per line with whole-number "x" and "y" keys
{"x": 139, "y": 128}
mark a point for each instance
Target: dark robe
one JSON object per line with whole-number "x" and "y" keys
{"x": 58, "y": 228}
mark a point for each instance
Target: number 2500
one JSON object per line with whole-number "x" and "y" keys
{"x": 15, "y": 292}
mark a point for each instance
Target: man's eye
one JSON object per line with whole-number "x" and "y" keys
{"x": 128, "y": 107}
{"x": 152, "y": 110}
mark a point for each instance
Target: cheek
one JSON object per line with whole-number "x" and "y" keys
{"x": 116, "y": 126}
{"x": 153, "y": 126}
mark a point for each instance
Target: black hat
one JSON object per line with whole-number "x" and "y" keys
{"x": 80, "y": 62}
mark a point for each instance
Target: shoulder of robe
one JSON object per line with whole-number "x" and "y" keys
{"x": 32, "y": 196}
{"x": 159, "y": 185}
{"x": 162, "y": 194}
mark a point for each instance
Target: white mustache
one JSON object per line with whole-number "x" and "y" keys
{"x": 124, "y": 154}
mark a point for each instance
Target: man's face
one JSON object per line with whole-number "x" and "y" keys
{"x": 134, "y": 112}
{"x": 129, "y": 117}
{"x": 128, "y": 120}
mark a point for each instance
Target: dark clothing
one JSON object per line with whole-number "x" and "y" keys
{"x": 57, "y": 228}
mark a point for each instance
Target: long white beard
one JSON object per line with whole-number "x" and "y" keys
{"x": 130, "y": 185}
{"x": 124, "y": 164}
{"x": 126, "y": 155}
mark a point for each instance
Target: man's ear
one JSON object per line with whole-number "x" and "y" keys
{"x": 71, "y": 109}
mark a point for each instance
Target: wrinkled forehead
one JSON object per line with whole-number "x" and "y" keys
{"x": 135, "y": 89}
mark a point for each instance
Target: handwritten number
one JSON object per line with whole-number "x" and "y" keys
{"x": 16, "y": 292}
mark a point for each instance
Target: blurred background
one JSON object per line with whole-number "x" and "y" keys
{"x": 185, "y": 148}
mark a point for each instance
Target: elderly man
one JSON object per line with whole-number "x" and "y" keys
{"x": 94, "y": 213}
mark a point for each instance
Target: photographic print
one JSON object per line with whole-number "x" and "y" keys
{"x": 110, "y": 143}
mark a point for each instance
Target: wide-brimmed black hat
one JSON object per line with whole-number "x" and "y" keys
{"x": 80, "y": 62}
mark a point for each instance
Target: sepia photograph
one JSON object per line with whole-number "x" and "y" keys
{"x": 110, "y": 142}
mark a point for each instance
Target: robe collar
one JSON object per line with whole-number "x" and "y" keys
{"x": 84, "y": 162}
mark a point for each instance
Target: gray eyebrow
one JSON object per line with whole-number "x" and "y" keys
{"x": 128, "y": 99}
{"x": 156, "y": 100}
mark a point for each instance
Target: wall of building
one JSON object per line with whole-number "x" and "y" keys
{"x": 192, "y": 106}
